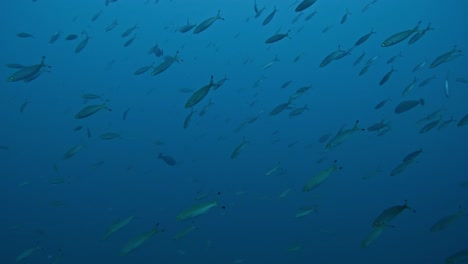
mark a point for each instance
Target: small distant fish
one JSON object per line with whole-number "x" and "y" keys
{"x": 24, "y": 35}
{"x": 71, "y": 37}
{"x": 167, "y": 159}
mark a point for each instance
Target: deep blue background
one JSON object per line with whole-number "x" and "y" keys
{"x": 256, "y": 226}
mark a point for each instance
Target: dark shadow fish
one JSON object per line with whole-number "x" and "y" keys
{"x": 167, "y": 159}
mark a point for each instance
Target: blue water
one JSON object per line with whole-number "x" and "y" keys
{"x": 108, "y": 180}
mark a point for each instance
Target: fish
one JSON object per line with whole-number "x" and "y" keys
{"x": 304, "y": 211}
{"x": 364, "y": 69}
{"x": 71, "y": 37}
{"x": 28, "y": 72}
{"x": 304, "y": 5}
{"x": 445, "y": 57}
{"x": 412, "y": 155}
{"x": 82, "y": 44}
{"x": 428, "y": 127}
{"x": 364, "y": 38}
{"x": 196, "y": 210}
{"x": 167, "y": 62}
{"x": 96, "y": 16}
{"x": 419, "y": 66}
{"x": 72, "y": 151}
{"x": 26, "y": 253}
{"x": 167, "y": 159}
{"x": 427, "y": 81}
{"x": 310, "y": 16}
{"x": 184, "y": 232}
{"x": 330, "y": 57}
{"x": 407, "y": 105}
{"x": 458, "y": 257}
{"x": 24, "y": 35}
{"x": 394, "y": 58}
{"x": 430, "y": 116}
{"x": 359, "y": 59}
{"x": 400, "y": 36}
{"x": 345, "y": 17}
{"x": 378, "y": 126}
{"x": 446, "y": 221}
{"x": 187, "y": 27}
{"x": 117, "y": 226}
{"x": 205, "y": 108}
{"x": 109, "y": 135}
{"x": 387, "y": 215}
{"x": 367, "y": 6}
{"x": 446, "y": 88}
{"x": 273, "y": 170}
{"x": 199, "y": 94}
{"x": 138, "y": 241}
{"x": 129, "y": 31}
{"x": 386, "y": 77}
{"x": 15, "y": 66}
{"x": 463, "y": 121}
{"x": 220, "y": 83}
{"x": 143, "y": 69}
{"x": 277, "y": 37}
{"x": 319, "y": 178}
{"x": 188, "y": 118}
{"x": 91, "y": 110}
{"x": 129, "y": 41}
{"x": 372, "y": 236}
{"x": 239, "y": 148}
{"x": 444, "y": 124}
{"x": 342, "y": 135}
{"x": 400, "y": 168}
{"x": 207, "y": 23}
{"x": 112, "y": 25}
{"x": 156, "y": 51}
{"x": 286, "y": 84}
{"x": 89, "y": 96}
{"x": 54, "y": 37}
{"x": 409, "y": 87}
{"x": 419, "y": 34}
{"x": 270, "y": 63}
{"x": 280, "y": 108}
{"x": 298, "y": 111}
{"x": 269, "y": 17}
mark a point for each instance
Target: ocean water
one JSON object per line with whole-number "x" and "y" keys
{"x": 62, "y": 207}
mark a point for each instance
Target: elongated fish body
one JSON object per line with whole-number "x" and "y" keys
{"x": 463, "y": 121}
{"x": 330, "y": 57}
{"x": 386, "y": 77}
{"x": 407, "y": 105}
{"x": 199, "y": 94}
{"x": 167, "y": 159}
{"x": 26, "y": 253}
{"x": 117, "y": 226}
{"x": 186, "y": 28}
{"x": 446, "y": 57}
{"x": 381, "y": 104}
{"x": 419, "y": 66}
{"x": 319, "y": 178}
{"x": 188, "y": 118}
{"x": 54, "y": 37}
{"x": 364, "y": 38}
{"x": 184, "y": 232}
{"x": 109, "y": 135}
{"x": 304, "y": 5}
{"x": 168, "y": 61}
{"x": 400, "y": 168}
{"x": 82, "y": 44}
{"x": 239, "y": 148}
{"x": 27, "y": 72}
{"x": 378, "y": 126}
{"x": 345, "y": 17}
{"x": 205, "y": 108}
{"x": 412, "y": 155}
{"x": 90, "y": 110}
{"x": 138, "y": 241}
{"x": 71, "y": 152}
{"x": 129, "y": 41}
{"x": 389, "y": 214}
{"x": 359, "y": 59}
{"x": 277, "y": 37}
{"x": 459, "y": 257}
{"x": 446, "y": 221}
{"x": 419, "y": 34}
{"x": 128, "y": 31}
{"x": 298, "y": 111}
{"x": 400, "y": 36}
{"x": 409, "y": 87}
{"x": 372, "y": 236}
{"x": 143, "y": 69}
{"x": 341, "y": 136}
{"x": 269, "y": 17}
{"x": 427, "y": 81}
{"x": 429, "y": 127}
{"x": 364, "y": 69}
{"x": 207, "y": 23}
{"x": 196, "y": 210}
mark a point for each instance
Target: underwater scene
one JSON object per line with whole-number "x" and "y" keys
{"x": 234, "y": 131}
